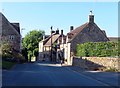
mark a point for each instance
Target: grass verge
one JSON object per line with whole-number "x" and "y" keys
{"x": 7, "y": 65}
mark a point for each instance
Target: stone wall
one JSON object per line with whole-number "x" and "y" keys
{"x": 97, "y": 63}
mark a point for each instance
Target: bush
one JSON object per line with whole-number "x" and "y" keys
{"x": 100, "y": 49}
{"x": 20, "y": 58}
{"x": 9, "y": 53}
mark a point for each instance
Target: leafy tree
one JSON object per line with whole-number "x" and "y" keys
{"x": 31, "y": 41}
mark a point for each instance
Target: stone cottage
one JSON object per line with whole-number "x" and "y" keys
{"x": 88, "y": 32}
{"x": 49, "y": 47}
{"x": 10, "y": 32}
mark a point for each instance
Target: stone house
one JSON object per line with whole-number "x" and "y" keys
{"x": 88, "y": 32}
{"x": 10, "y": 32}
{"x": 55, "y": 40}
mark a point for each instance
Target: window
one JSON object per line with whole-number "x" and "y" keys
{"x": 11, "y": 37}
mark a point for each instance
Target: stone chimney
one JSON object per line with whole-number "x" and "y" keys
{"x": 61, "y": 32}
{"x": 91, "y": 17}
{"x": 71, "y": 28}
{"x": 57, "y": 31}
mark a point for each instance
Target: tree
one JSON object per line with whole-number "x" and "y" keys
{"x": 31, "y": 41}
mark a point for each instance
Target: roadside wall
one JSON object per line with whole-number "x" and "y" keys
{"x": 95, "y": 63}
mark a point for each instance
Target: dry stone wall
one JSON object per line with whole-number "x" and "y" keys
{"x": 96, "y": 63}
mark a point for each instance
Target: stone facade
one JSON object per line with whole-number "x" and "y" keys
{"x": 95, "y": 63}
{"x": 10, "y": 32}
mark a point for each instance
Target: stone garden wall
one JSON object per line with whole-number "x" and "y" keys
{"x": 97, "y": 63}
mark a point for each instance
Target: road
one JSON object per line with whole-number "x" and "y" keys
{"x": 46, "y": 74}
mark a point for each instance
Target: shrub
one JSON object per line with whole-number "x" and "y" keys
{"x": 100, "y": 49}
{"x": 9, "y": 53}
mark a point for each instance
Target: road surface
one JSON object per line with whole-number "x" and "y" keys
{"x": 46, "y": 74}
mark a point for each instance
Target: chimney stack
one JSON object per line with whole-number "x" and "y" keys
{"x": 71, "y": 28}
{"x": 91, "y": 17}
{"x": 61, "y": 32}
{"x": 57, "y": 31}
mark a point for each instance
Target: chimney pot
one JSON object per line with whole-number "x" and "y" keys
{"x": 71, "y": 28}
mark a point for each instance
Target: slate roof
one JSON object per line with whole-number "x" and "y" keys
{"x": 72, "y": 34}
{"x": 16, "y": 26}
{"x": 54, "y": 38}
{"x": 5, "y": 24}
{"x": 78, "y": 29}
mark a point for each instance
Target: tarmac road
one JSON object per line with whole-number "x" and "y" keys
{"x": 46, "y": 74}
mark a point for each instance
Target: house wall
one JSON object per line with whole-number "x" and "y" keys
{"x": 40, "y": 50}
{"x": 13, "y": 39}
{"x": 40, "y": 46}
{"x": 10, "y": 33}
{"x": 44, "y": 50}
{"x": 47, "y": 48}
{"x": 67, "y": 53}
{"x": 69, "y": 59}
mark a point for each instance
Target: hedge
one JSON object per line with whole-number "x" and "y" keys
{"x": 99, "y": 49}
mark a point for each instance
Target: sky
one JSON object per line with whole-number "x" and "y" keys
{"x": 61, "y": 15}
